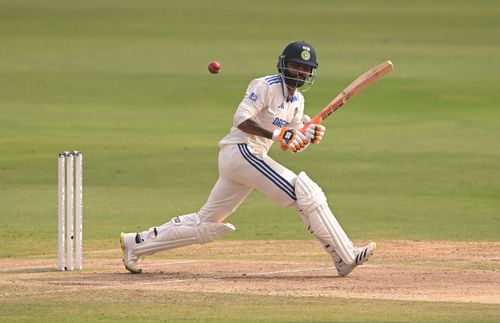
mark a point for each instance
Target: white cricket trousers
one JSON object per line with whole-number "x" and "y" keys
{"x": 241, "y": 171}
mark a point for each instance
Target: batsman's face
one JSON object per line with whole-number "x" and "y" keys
{"x": 297, "y": 74}
{"x": 299, "y": 71}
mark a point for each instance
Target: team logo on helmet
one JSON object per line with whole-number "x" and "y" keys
{"x": 305, "y": 55}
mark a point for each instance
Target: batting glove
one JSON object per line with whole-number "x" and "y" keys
{"x": 290, "y": 138}
{"x": 313, "y": 132}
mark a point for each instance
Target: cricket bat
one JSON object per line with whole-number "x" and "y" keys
{"x": 362, "y": 82}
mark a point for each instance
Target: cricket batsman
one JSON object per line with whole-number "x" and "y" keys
{"x": 272, "y": 110}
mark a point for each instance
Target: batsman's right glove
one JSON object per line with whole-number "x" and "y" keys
{"x": 313, "y": 131}
{"x": 293, "y": 139}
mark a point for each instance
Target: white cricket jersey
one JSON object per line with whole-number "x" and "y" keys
{"x": 266, "y": 102}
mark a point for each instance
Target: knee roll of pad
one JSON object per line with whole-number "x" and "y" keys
{"x": 309, "y": 195}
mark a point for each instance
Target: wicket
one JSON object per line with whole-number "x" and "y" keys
{"x": 69, "y": 212}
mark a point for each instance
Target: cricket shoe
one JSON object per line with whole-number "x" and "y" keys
{"x": 361, "y": 255}
{"x": 127, "y": 242}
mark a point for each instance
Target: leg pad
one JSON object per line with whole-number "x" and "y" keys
{"x": 319, "y": 219}
{"x": 182, "y": 231}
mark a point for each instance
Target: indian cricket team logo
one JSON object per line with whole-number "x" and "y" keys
{"x": 306, "y": 53}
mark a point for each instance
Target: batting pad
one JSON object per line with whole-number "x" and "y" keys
{"x": 182, "y": 231}
{"x": 321, "y": 222}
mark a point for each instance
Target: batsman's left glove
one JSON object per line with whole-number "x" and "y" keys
{"x": 290, "y": 138}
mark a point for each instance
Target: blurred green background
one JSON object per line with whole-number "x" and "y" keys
{"x": 416, "y": 156}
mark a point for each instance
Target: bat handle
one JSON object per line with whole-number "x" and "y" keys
{"x": 316, "y": 120}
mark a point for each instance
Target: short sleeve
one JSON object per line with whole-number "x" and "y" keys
{"x": 253, "y": 102}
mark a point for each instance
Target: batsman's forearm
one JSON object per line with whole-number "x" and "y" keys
{"x": 253, "y": 128}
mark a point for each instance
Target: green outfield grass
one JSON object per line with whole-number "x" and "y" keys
{"x": 414, "y": 157}
{"x": 215, "y": 307}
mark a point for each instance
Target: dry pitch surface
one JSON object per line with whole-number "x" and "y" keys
{"x": 399, "y": 270}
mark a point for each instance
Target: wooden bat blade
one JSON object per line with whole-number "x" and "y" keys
{"x": 362, "y": 82}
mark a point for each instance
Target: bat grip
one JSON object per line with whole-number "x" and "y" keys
{"x": 316, "y": 120}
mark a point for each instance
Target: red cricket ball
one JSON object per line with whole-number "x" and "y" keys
{"x": 214, "y": 67}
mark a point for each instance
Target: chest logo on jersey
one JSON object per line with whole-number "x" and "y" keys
{"x": 281, "y": 106}
{"x": 252, "y": 96}
{"x": 280, "y": 122}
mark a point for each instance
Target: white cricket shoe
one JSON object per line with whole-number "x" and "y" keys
{"x": 127, "y": 242}
{"x": 362, "y": 254}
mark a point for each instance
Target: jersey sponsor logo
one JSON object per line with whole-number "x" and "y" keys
{"x": 252, "y": 96}
{"x": 280, "y": 122}
{"x": 281, "y": 106}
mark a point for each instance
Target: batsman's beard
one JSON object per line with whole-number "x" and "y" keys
{"x": 294, "y": 79}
